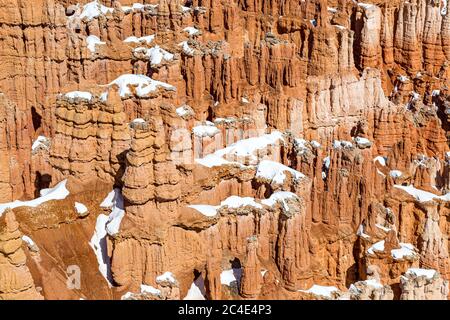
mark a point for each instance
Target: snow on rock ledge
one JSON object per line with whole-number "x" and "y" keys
{"x": 142, "y": 40}
{"x": 41, "y": 142}
{"x": 275, "y": 172}
{"x": 145, "y": 291}
{"x": 191, "y": 31}
{"x": 227, "y": 277}
{"x": 406, "y": 251}
{"x": 363, "y": 143}
{"x": 166, "y": 277}
{"x": 58, "y": 192}
{"x": 232, "y": 202}
{"x": 79, "y": 95}
{"x": 208, "y": 129}
{"x": 370, "y": 289}
{"x": 114, "y": 200}
{"x": 197, "y": 290}
{"x": 93, "y": 10}
{"x": 281, "y": 197}
{"x": 92, "y": 42}
{"x": 81, "y": 209}
{"x": 185, "y": 111}
{"x": 324, "y": 292}
{"x": 421, "y": 195}
{"x": 155, "y": 55}
{"x": 423, "y": 284}
{"x": 247, "y": 150}
{"x": 418, "y": 272}
{"x": 30, "y": 244}
{"x": 142, "y": 85}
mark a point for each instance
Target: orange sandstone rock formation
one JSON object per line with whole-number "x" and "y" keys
{"x": 224, "y": 149}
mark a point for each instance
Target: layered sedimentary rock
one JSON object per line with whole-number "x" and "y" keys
{"x": 16, "y": 282}
{"x": 281, "y": 149}
{"x": 419, "y": 284}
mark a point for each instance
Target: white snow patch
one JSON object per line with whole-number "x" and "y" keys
{"x": 80, "y": 208}
{"x": 93, "y": 41}
{"x": 407, "y": 250}
{"x": 230, "y": 202}
{"x": 421, "y": 195}
{"x": 204, "y": 209}
{"x": 197, "y": 290}
{"x": 415, "y": 96}
{"x": 237, "y": 202}
{"x": 241, "y": 151}
{"x": 186, "y": 48}
{"x": 184, "y": 111}
{"x": 418, "y": 272}
{"x": 155, "y": 55}
{"x": 379, "y": 246}
{"x": 381, "y": 160}
{"x": 300, "y": 145}
{"x": 28, "y": 241}
{"x": 363, "y": 142}
{"x": 114, "y": 201}
{"x": 373, "y": 283}
{"x": 225, "y": 120}
{"x": 248, "y": 147}
{"x": 327, "y": 162}
{"x": 337, "y": 144}
{"x": 212, "y": 160}
{"x": 144, "y": 289}
{"x": 208, "y": 129}
{"x": 315, "y": 144}
{"x": 58, "y": 192}
{"x": 275, "y": 172}
{"x": 280, "y": 197}
{"x": 366, "y": 5}
{"x": 402, "y": 78}
{"x": 104, "y": 96}
{"x": 229, "y": 276}
{"x": 322, "y": 291}
{"x": 395, "y": 173}
{"x": 143, "y": 85}
{"x": 332, "y": 10}
{"x": 191, "y": 31}
{"x": 142, "y": 40}
{"x": 94, "y": 9}
{"x": 185, "y": 9}
{"x": 435, "y": 93}
{"x": 81, "y": 95}
{"x": 150, "y": 290}
{"x": 40, "y": 141}
{"x": 370, "y": 282}
{"x": 109, "y": 200}
{"x": 138, "y": 120}
{"x": 116, "y": 215}
{"x": 360, "y": 232}
{"x": 166, "y": 277}
{"x": 98, "y": 244}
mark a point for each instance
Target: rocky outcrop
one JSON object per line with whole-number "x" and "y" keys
{"x": 16, "y": 282}
{"x": 423, "y": 284}
{"x": 263, "y": 149}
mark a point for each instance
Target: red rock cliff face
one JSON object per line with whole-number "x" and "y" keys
{"x": 253, "y": 149}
